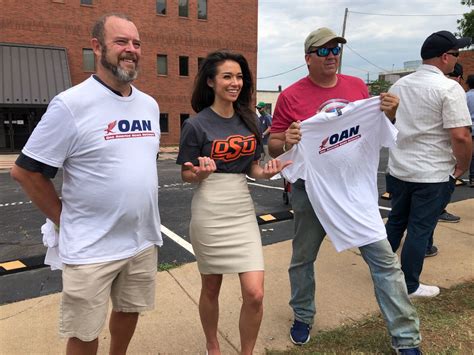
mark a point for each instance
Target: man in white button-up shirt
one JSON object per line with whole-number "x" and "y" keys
{"x": 433, "y": 149}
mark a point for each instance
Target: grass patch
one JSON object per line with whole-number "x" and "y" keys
{"x": 446, "y": 324}
{"x": 167, "y": 266}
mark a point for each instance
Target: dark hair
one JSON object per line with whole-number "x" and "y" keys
{"x": 203, "y": 94}
{"x": 98, "y": 29}
{"x": 470, "y": 81}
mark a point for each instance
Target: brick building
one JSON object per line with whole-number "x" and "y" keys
{"x": 45, "y": 48}
{"x": 466, "y": 59}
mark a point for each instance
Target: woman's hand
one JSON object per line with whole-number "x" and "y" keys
{"x": 270, "y": 169}
{"x": 193, "y": 173}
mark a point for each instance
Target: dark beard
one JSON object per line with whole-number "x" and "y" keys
{"x": 120, "y": 74}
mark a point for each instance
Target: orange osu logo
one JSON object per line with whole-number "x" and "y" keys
{"x": 233, "y": 147}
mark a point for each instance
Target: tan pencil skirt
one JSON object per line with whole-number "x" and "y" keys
{"x": 224, "y": 230}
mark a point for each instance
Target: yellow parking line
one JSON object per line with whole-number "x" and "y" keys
{"x": 12, "y": 265}
{"x": 267, "y": 217}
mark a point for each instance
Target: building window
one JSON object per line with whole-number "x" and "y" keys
{"x": 200, "y": 60}
{"x": 184, "y": 66}
{"x": 164, "y": 123}
{"x": 161, "y": 7}
{"x": 183, "y": 8}
{"x": 202, "y": 9}
{"x": 162, "y": 64}
{"x": 87, "y": 2}
{"x": 183, "y": 117}
{"x": 88, "y": 59}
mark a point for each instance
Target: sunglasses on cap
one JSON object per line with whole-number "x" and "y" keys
{"x": 324, "y": 52}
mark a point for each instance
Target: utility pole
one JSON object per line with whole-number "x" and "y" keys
{"x": 343, "y": 34}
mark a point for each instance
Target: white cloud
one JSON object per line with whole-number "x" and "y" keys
{"x": 386, "y": 41}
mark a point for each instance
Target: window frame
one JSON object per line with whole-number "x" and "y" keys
{"x": 206, "y": 8}
{"x": 182, "y": 57}
{"x": 165, "y": 7}
{"x": 158, "y": 56}
{"x": 199, "y": 62}
{"x": 165, "y": 116}
{"x": 182, "y": 118}
{"x": 187, "y": 9}
{"x": 84, "y": 52}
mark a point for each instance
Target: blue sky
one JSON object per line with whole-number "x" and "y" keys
{"x": 386, "y": 41}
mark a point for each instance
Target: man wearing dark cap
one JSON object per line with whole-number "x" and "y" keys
{"x": 265, "y": 121}
{"x": 325, "y": 90}
{"x": 433, "y": 150}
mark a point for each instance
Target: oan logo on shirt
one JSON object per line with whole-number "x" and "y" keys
{"x": 128, "y": 129}
{"x": 233, "y": 147}
{"x": 337, "y": 140}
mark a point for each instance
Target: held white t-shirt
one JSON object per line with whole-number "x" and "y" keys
{"x": 338, "y": 158}
{"x": 107, "y": 146}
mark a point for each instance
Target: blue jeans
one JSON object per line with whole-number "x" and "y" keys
{"x": 307, "y": 239}
{"x": 390, "y": 290}
{"x": 471, "y": 167}
{"x": 415, "y": 208}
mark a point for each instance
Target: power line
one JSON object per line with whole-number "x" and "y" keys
{"x": 368, "y": 61}
{"x": 285, "y": 72}
{"x": 360, "y": 69}
{"x": 403, "y": 15}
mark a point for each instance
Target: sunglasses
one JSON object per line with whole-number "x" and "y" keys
{"x": 324, "y": 52}
{"x": 454, "y": 54}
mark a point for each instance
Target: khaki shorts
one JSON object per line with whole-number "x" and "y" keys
{"x": 87, "y": 288}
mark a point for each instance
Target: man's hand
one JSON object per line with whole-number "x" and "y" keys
{"x": 293, "y": 134}
{"x": 389, "y": 104}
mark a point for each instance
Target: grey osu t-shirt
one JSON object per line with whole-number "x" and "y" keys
{"x": 226, "y": 140}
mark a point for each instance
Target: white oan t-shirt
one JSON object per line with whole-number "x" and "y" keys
{"x": 107, "y": 146}
{"x": 338, "y": 158}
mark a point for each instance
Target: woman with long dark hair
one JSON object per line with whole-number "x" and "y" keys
{"x": 219, "y": 147}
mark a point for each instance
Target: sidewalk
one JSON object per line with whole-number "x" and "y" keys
{"x": 344, "y": 294}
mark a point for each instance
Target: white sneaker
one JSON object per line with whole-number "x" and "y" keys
{"x": 425, "y": 291}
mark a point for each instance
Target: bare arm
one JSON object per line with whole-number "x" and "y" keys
{"x": 270, "y": 168}
{"x": 275, "y": 144}
{"x": 288, "y": 138}
{"x": 41, "y": 191}
{"x": 461, "y": 143}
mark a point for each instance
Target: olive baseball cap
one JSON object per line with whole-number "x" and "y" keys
{"x": 320, "y": 37}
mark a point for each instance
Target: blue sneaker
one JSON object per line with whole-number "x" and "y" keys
{"x": 411, "y": 351}
{"x": 299, "y": 332}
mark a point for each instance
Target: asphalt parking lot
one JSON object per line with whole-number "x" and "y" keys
{"x": 20, "y": 223}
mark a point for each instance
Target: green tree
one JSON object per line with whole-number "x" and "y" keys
{"x": 378, "y": 86}
{"x": 466, "y": 24}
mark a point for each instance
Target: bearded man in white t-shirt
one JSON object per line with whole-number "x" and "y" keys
{"x": 433, "y": 150}
{"x": 105, "y": 134}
